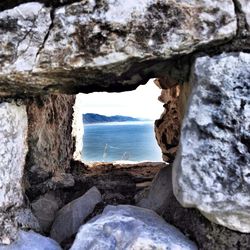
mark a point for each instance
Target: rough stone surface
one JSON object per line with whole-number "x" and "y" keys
{"x": 60, "y": 181}
{"x": 168, "y": 127}
{"x": 31, "y": 240}
{"x": 212, "y": 168}
{"x": 245, "y": 8}
{"x": 49, "y": 137}
{"x": 70, "y": 217}
{"x": 192, "y": 223}
{"x": 99, "y": 45}
{"x": 129, "y": 227}
{"x": 45, "y": 209}
{"x": 14, "y": 219}
{"x": 157, "y": 197}
{"x": 13, "y": 149}
{"x": 22, "y": 32}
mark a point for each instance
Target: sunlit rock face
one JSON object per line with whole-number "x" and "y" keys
{"x": 22, "y": 32}
{"x": 99, "y": 45}
{"x": 13, "y": 149}
{"x": 212, "y": 168}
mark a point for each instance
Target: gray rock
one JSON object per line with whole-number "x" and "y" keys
{"x": 96, "y": 42}
{"x": 31, "y": 241}
{"x": 245, "y": 8}
{"x": 128, "y": 227}
{"x": 70, "y": 217}
{"x": 157, "y": 198}
{"x": 212, "y": 168}
{"x": 45, "y": 209}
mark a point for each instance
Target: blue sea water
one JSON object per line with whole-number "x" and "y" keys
{"x": 132, "y": 141}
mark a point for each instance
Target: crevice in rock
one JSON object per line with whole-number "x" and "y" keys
{"x": 52, "y": 16}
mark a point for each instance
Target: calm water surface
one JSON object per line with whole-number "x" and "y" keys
{"x": 133, "y": 141}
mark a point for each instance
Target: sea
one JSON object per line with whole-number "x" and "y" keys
{"x": 120, "y": 141}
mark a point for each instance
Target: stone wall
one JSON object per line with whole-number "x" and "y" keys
{"x": 71, "y": 47}
{"x": 49, "y": 133}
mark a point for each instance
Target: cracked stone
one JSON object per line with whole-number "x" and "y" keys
{"x": 212, "y": 167}
{"x": 89, "y": 46}
{"x": 22, "y": 31}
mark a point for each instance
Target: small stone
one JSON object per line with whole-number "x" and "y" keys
{"x": 129, "y": 227}
{"x": 70, "y": 217}
{"x": 45, "y": 209}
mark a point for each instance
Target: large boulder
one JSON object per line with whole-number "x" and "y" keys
{"x": 71, "y": 217}
{"x": 129, "y": 227}
{"x": 31, "y": 240}
{"x": 13, "y": 149}
{"x": 212, "y": 168}
{"x": 100, "y": 45}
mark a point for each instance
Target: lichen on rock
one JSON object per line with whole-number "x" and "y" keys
{"x": 212, "y": 167}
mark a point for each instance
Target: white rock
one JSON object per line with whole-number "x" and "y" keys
{"x": 31, "y": 241}
{"x": 21, "y": 35}
{"x": 212, "y": 168}
{"x": 13, "y": 149}
{"x": 127, "y": 227}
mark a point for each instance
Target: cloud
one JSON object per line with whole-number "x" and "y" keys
{"x": 142, "y": 102}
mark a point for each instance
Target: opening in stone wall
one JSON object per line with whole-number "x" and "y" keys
{"x": 118, "y": 127}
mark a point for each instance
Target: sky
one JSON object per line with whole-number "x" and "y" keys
{"x": 140, "y": 103}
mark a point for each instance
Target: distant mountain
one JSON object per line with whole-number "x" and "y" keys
{"x": 89, "y": 118}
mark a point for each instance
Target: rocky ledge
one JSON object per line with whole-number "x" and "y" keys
{"x": 103, "y": 45}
